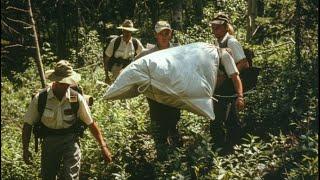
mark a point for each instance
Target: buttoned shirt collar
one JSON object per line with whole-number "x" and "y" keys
{"x": 224, "y": 38}
{"x": 51, "y": 95}
{"x": 130, "y": 40}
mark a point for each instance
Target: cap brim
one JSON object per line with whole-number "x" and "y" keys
{"x": 163, "y": 28}
{"x": 131, "y": 29}
{"x": 73, "y": 79}
{"x": 217, "y": 22}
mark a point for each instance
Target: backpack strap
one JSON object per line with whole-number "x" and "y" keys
{"x": 79, "y": 126}
{"x": 42, "y": 101}
{"x": 225, "y": 43}
{"x": 221, "y": 68}
{"x": 116, "y": 45}
{"x": 135, "y": 45}
{"x": 74, "y": 105}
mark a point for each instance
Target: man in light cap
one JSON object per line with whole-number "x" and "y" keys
{"x": 164, "y": 118}
{"x": 56, "y": 113}
{"x": 121, "y": 51}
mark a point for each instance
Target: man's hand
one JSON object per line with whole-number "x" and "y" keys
{"x": 26, "y": 133}
{"x": 240, "y": 103}
{"x": 106, "y": 154}
{"x": 27, "y": 157}
{"x": 107, "y": 80}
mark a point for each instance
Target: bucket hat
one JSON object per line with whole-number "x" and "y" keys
{"x": 63, "y": 73}
{"x": 128, "y": 26}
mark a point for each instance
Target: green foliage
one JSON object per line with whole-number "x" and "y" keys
{"x": 14, "y": 102}
{"x": 280, "y": 116}
{"x": 90, "y": 50}
{"x": 305, "y": 157}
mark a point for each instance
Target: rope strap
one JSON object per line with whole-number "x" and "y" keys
{"x": 234, "y": 96}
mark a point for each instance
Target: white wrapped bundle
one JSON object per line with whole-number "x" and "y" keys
{"x": 182, "y": 77}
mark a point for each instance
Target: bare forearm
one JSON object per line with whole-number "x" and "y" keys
{"x": 26, "y": 134}
{"x": 95, "y": 131}
{"x": 237, "y": 84}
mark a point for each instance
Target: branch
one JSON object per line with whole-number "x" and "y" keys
{"x": 14, "y": 45}
{"x": 255, "y": 31}
{"x": 27, "y": 27}
{"x": 89, "y": 65}
{"x": 18, "y": 45}
{"x": 271, "y": 49}
{"x": 19, "y": 21}
{"x": 18, "y": 9}
{"x": 9, "y": 27}
{"x": 9, "y": 58}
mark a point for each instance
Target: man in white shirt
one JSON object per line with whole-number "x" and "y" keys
{"x": 121, "y": 51}
{"x": 226, "y": 130}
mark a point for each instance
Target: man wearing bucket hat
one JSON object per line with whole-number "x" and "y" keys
{"x": 60, "y": 142}
{"x": 121, "y": 51}
{"x": 164, "y": 118}
{"x": 226, "y": 129}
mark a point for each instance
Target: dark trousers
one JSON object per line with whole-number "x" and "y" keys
{"x": 164, "y": 120}
{"x": 60, "y": 150}
{"x": 226, "y": 128}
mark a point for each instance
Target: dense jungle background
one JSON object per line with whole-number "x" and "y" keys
{"x": 280, "y": 118}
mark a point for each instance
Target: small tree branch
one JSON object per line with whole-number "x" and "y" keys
{"x": 94, "y": 64}
{"x": 18, "y": 9}
{"x": 19, "y": 21}
{"x": 36, "y": 42}
{"x": 9, "y": 27}
{"x": 272, "y": 49}
{"x": 18, "y": 45}
{"x": 27, "y": 27}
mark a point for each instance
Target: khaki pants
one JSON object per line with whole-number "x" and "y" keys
{"x": 60, "y": 150}
{"x": 115, "y": 70}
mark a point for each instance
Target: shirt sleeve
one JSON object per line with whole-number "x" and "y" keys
{"x": 140, "y": 47}
{"x": 228, "y": 63}
{"x": 109, "y": 49}
{"x": 32, "y": 114}
{"x": 84, "y": 111}
{"x": 143, "y": 53}
{"x": 237, "y": 50}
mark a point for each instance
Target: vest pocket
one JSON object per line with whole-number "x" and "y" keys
{"x": 68, "y": 115}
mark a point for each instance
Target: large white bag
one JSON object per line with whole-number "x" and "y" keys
{"x": 182, "y": 77}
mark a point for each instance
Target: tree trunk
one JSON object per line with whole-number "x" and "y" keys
{"x": 251, "y": 16}
{"x": 36, "y": 42}
{"x": 297, "y": 31}
{"x": 198, "y": 5}
{"x": 61, "y": 35}
{"x": 154, "y": 10}
{"x": 260, "y": 8}
{"x": 176, "y": 13}
{"x": 80, "y": 61}
{"x": 127, "y": 9}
